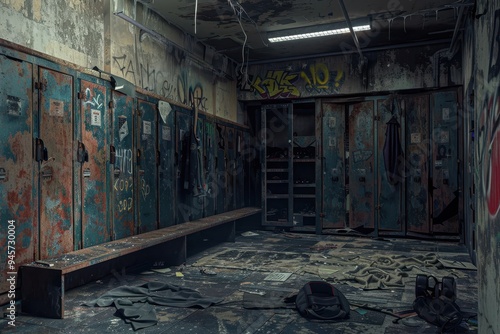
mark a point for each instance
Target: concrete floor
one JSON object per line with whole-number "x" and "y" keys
{"x": 241, "y": 270}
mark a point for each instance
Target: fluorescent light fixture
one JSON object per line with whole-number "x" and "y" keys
{"x": 317, "y": 31}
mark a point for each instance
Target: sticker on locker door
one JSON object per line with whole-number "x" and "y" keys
{"x": 96, "y": 117}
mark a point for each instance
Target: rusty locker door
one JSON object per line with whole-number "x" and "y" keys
{"x": 210, "y": 176}
{"x": 239, "y": 171}
{"x": 333, "y": 211}
{"x": 123, "y": 167}
{"x": 183, "y": 126}
{"x": 390, "y": 165}
{"x": 166, "y": 191}
{"x": 361, "y": 165}
{"x": 417, "y": 163}
{"x": 445, "y": 195}
{"x": 147, "y": 166}
{"x": 231, "y": 168}
{"x": 197, "y": 176}
{"x": 18, "y": 221}
{"x": 55, "y": 91}
{"x": 221, "y": 167}
{"x": 92, "y": 158}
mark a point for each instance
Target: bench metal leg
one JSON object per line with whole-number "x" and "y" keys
{"x": 173, "y": 252}
{"x": 42, "y": 292}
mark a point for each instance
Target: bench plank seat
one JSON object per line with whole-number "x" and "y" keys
{"x": 43, "y": 282}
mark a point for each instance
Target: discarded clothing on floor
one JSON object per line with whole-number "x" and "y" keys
{"x": 375, "y": 271}
{"x": 134, "y": 304}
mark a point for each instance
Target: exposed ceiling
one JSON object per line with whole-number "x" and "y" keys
{"x": 238, "y": 29}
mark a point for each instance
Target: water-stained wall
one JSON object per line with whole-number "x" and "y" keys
{"x": 382, "y": 71}
{"x": 487, "y": 160}
{"x": 88, "y": 33}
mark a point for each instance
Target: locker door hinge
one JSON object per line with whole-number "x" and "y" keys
{"x": 80, "y": 95}
{"x": 42, "y": 85}
{"x": 139, "y": 112}
{"x": 157, "y": 157}
{"x": 111, "y": 104}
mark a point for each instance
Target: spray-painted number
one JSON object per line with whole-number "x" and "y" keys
{"x": 124, "y": 184}
{"x": 125, "y": 205}
{"x": 145, "y": 190}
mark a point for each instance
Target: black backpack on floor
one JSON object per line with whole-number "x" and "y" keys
{"x": 321, "y": 300}
{"x": 435, "y": 302}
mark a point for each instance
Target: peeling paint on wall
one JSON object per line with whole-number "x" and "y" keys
{"x": 387, "y": 70}
{"x": 487, "y": 174}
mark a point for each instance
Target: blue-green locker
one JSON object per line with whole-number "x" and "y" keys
{"x": 123, "y": 159}
{"x": 55, "y": 95}
{"x": 92, "y": 157}
{"x": 166, "y": 142}
{"x": 184, "y": 128}
{"x": 18, "y": 210}
{"x": 147, "y": 166}
{"x": 333, "y": 174}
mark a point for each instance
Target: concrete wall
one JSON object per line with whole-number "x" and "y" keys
{"x": 387, "y": 70}
{"x": 88, "y": 34}
{"x": 487, "y": 161}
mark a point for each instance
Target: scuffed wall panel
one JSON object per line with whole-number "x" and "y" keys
{"x": 72, "y": 30}
{"x": 88, "y": 34}
{"x": 487, "y": 173}
{"x": 168, "y": 69}
{"x": 398, "y": 69}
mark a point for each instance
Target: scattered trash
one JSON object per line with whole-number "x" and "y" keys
{"x": 361, "y": 311}
{"x": 208, "y": 272}
{"x": 147, "y": 272}
{"x": 98, "y": 282}
{"x": 161, "y": 270}
{"x": 249, "y": 234}
{"x": 279, "y": 277}
{"x": 179, "y": 274}
{"x": 260, "y": 293}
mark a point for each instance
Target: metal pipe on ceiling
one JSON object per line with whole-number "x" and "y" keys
{"x": 340, "y": 53}
{"x": 457, "y": 27}
{"x": 349, "y": 24}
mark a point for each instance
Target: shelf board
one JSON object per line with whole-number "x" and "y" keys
{"x": 304, "y": 160}
{"x": 310, "y": 215}
{"x": 279, "y": 170}
{"x": 304, "y": 185}
{"x": 277, "y": 181}
{"x": 304, "y": 196}
{"x": 277, "y": 160}
{"x": 277, "y": 196}
{"x": 277, "y": 223}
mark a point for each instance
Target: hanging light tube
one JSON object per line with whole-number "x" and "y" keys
{"x": 317, "y": 31}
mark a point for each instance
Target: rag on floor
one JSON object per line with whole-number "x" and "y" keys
{"x": 135, "y": 304}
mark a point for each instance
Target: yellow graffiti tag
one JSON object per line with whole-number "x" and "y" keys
{"x": 276, "y": 83}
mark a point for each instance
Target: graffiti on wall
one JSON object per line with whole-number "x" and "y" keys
{"x": 154, "y": 80}
{"x": 319, "y": 79}
{"x": 276, "y": 84}
{"x": 191, "y": 94}
{"x": 315, "y": 78}
{"x": 489, "y": 126}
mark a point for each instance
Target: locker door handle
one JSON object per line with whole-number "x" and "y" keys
{"x": 82, "y": 155}
{"x": 139, "y": 153}
{"x": 41, "y": 152}
{"x": 112, "y": 154}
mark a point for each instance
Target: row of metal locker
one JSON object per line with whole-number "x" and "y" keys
{"x": 82, "y": 163}
{"x": 397, "y": 168}
{"x": 379, "y": 165}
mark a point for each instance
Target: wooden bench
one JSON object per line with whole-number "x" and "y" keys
{"x": 43, "y": 283}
